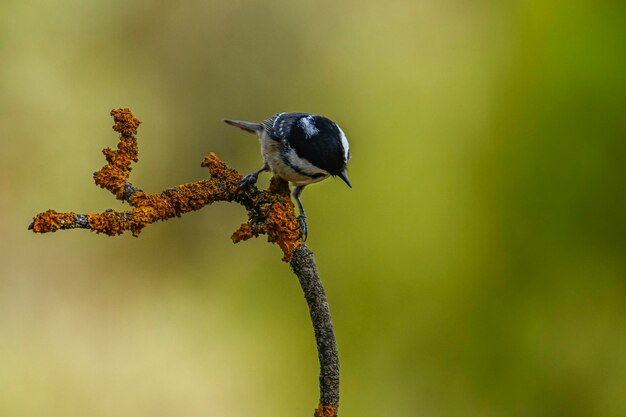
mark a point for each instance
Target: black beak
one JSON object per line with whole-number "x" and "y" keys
{"x": 344, "y": 177}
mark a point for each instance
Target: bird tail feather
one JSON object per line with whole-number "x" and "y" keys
{"x": 247, "y": 126}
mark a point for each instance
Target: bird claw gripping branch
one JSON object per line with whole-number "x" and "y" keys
{"x": 270, "y": 212}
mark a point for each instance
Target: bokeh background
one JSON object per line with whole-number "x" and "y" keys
{"x": 477, "y": 267}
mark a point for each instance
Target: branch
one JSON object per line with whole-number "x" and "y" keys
{"x": 303, "y": 265}
{"x": 269, "y": 212}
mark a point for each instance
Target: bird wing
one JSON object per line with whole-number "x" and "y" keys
{"x": 279, "y": 125}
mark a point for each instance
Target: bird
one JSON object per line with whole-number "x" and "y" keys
{"x": 301, "y": 148}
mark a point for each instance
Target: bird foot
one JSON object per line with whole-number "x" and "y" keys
{"x": 248, "y": 180}
{"x": 303, "y": 226}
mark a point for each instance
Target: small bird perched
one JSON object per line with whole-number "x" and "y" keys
{"x": 301, "y": 148}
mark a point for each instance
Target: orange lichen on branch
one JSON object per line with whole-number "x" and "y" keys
{"x": 218, "y": 169}
{"x": 244, "y": 232}
{"x": 125, "y": 122}
{"x": 276, "y": 210}
{"x": 115, "y": 173}
{"x": 281, "y": 225}
{"x": 325, "y": 411}
{"x": 110, "y": 223}
{"x": 51, "y": 221}
{"x": 269, "y": 212}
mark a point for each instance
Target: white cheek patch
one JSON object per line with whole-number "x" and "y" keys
{"x": 308, "y": 125}
{"x": 344, "y": 143}
{"x": 302, "y": 164}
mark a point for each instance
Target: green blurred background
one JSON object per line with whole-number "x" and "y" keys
{"x": 477, "y": 267}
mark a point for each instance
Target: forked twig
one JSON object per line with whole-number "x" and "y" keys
{"x": 270, "y": 212}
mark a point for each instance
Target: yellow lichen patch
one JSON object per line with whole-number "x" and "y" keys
{"x": 282, "y": 227}
{"x": 325, "y": 411}
{"x": 144, "y": 215}
{"x": 140, "y": 199}
{"x": 117, "y": 170}
{"x": 112, "y": 178}
{"x": 110, "y": 223}
{"x": 125, "y": 122}
{"x": 193, "y": 196}
{"x": 127, "y": 148}
{"x": 279, "y": 186}
{"x": 51, "y": 221}
{"x": 219, "y": 169}
{"x": 243, "y": 233}
{"x": 158, "y": 207}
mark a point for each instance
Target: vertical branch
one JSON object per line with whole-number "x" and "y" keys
{"x": 303, "y": 265}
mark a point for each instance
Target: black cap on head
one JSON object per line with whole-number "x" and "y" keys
{"x": 318, "y": 140}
